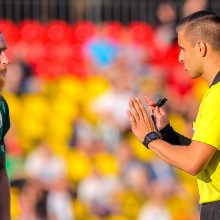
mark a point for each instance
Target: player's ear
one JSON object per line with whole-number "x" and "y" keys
{"x": 202, "y": 47}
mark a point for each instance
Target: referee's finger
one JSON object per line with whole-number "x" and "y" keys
{"x": 150, "y": 105}
{"x": 145, "y": 116}
{"x": 131, "y": 118}
{"x": 162, "y": 112}
{"x": 142, "y": 109}
{"x": 156, "y": 112}
{"x": 133, "y": 110}
{"x": 149, "y": 101}
{"x": 137, "y": 107}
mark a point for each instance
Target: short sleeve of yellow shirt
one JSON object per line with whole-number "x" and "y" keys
{"x": 207, "y": 130}
{"x": 207, "y": 124}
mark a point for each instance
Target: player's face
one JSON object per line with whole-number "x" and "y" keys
{"x": 3, "y": 58}
{"x": 189, "y": 56}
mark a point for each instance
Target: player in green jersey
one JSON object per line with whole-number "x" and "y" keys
{"x": 4, "y": 126}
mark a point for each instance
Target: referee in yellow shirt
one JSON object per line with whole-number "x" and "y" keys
{"x": 199, "y": 41}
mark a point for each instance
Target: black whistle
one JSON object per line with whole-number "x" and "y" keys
{"x": 160, "y": 102}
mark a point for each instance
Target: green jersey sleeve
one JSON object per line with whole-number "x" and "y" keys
{"x": 4, "y": 124}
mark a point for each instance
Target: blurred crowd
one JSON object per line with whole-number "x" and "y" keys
{"x": 71, "y": 153}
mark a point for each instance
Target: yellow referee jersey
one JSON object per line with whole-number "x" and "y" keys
{"x": 207, "y": 130}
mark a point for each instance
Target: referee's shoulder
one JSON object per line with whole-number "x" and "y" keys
{"x": 213, "y": 95}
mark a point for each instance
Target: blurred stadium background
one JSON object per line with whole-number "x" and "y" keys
{"x": 73, "y": 66}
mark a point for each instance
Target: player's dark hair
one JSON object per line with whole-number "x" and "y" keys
{"x": 202, "y": 25}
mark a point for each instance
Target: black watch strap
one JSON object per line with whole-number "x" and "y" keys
{"x": 152, "y": 136}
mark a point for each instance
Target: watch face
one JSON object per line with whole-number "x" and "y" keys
{"x": 153, "y": 135}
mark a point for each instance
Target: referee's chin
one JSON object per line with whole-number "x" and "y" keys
{"x": 195, "y": 76}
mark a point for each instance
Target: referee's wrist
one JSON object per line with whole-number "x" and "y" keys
{"x": 166, "y": 131}
{"x": 149, "y": 137}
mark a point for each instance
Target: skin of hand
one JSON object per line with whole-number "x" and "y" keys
{"x": 160, "y": 115}
{"x": 141, "y": 123}
{"x": 193, "y": 157}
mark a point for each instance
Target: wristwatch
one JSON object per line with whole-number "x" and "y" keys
{"x": 152, "y": 136}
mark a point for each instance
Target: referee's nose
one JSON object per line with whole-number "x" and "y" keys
{"x": 181, "y": 56}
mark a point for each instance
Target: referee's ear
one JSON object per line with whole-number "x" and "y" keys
{"x": 202, "y": 46}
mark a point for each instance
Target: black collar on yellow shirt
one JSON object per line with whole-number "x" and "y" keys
{"x": 216, "y": 79}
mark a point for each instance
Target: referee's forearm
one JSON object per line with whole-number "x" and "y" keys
{"x": 176, "y": 156}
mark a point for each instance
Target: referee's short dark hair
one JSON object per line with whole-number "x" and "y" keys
{"x": 202, "y": 25}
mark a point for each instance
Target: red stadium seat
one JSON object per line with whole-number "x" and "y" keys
{"x": 82, "y": 31}
{"x": 58, "y": 52}
{"x": 142, "y": 33}
{"x": 9, "y": 30}
{"x": 48, "y": 69}
{"x": 32, "y": 31}
{"x": 58, "y": 31}
{"x": 114, "y": 29}
{"x": 76, "y": 68}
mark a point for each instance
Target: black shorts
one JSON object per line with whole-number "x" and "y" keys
{"x": 210, "y": 211}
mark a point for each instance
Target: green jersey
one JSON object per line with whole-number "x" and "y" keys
{"x": 4, "y": 124}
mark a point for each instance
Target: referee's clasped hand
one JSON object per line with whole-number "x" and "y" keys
{"x": 141, "y": 123}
